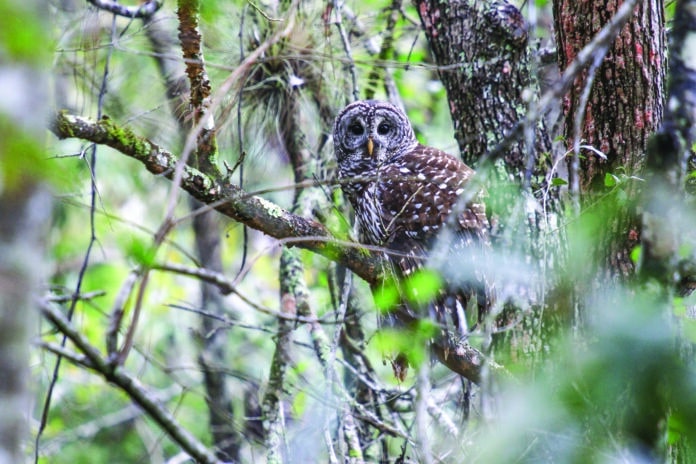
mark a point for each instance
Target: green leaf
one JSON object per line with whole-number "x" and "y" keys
{"x": 610, "y": 180}
{"x": 387, "y": 296}
{"x": 556, "y": 181}
{"x": 299, "y": 404}
{"x": 426, "y": 329}
{"x": 22, "y": 36}
{"x": 675, "y": 428}
{"x": 140, "y": 251}
{"x": 685, "y": 251}
{"x": 410, "y": 343}
{"x": 636, "y": 253}
{"x": 423, "y": 286}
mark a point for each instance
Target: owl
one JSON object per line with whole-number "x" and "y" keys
{"x": 408, "y": 202}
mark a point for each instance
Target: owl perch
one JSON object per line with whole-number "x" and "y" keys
{"x": 406, "y": 198}
{"x": 259, "y": 214}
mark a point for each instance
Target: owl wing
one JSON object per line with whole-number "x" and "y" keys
{"x": 420, "y": 191}
{"x": 430, "y": 222}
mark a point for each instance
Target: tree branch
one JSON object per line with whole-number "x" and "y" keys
{"x": 143, "y": 10}
{"x": 200, "y": 87}
{"x": 130, "y": 385}
{"x": 226, "y": 198}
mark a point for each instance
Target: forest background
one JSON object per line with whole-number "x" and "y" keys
{"x": 178, "y": 277}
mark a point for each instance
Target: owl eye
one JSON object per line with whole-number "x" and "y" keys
{"x": 356, "y": 129}
{"x": 384, "y": 128}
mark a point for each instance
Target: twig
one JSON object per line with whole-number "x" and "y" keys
{"x": 337, "y": 6}
{"x": 92, "y": 164}
{"x": 423, "y": 395}
{"x": 385, "y": 50}
{"x": 117, "y": 311}
{"x": 441, "y": 417}
{"x": 217, "y": 279}
{"x": 81, "y": 297}
{"x": 143, "y": 10}
{"x": 352, "y": 439}
{"x": 129, "y": 385}
{"x": 63, "y": 352}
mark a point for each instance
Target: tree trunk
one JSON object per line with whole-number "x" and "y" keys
{"x": 484, "y": 61}
{"x": 482, "y": 53}
{"x": 623, "y": 107}
{"x": 25, "y": 210}
{"x": 484, "y": 58}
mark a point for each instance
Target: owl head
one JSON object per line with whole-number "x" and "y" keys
{"x": 368, "y": 133}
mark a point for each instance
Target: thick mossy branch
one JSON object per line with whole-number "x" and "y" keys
{"x": 228, "y": 199}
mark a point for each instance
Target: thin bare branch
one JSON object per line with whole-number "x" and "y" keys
{"x": 143, "y": 10}
{"x": 272, "y": 405}
{"x": 129, "y": 385}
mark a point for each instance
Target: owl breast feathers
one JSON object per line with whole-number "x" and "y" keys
{"x": 404, "y": 195}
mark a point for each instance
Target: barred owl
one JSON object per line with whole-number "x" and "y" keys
{"x": 406, "y": 197}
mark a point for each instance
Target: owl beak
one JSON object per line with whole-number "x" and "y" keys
{"x": 370, "y": 146}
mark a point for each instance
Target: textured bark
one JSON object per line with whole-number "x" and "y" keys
{"x": 200, "y": 87}
{"x": 484, "y": 62}
{"x": 622, "y": 109}
{"x": 625, "y": 104}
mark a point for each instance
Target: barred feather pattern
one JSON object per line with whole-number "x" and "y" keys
{"x": 413, "y": 201}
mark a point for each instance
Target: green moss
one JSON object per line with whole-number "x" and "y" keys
{"x": 124, "y": 138}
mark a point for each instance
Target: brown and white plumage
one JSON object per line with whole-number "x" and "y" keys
{"x": 403, "y": 194}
